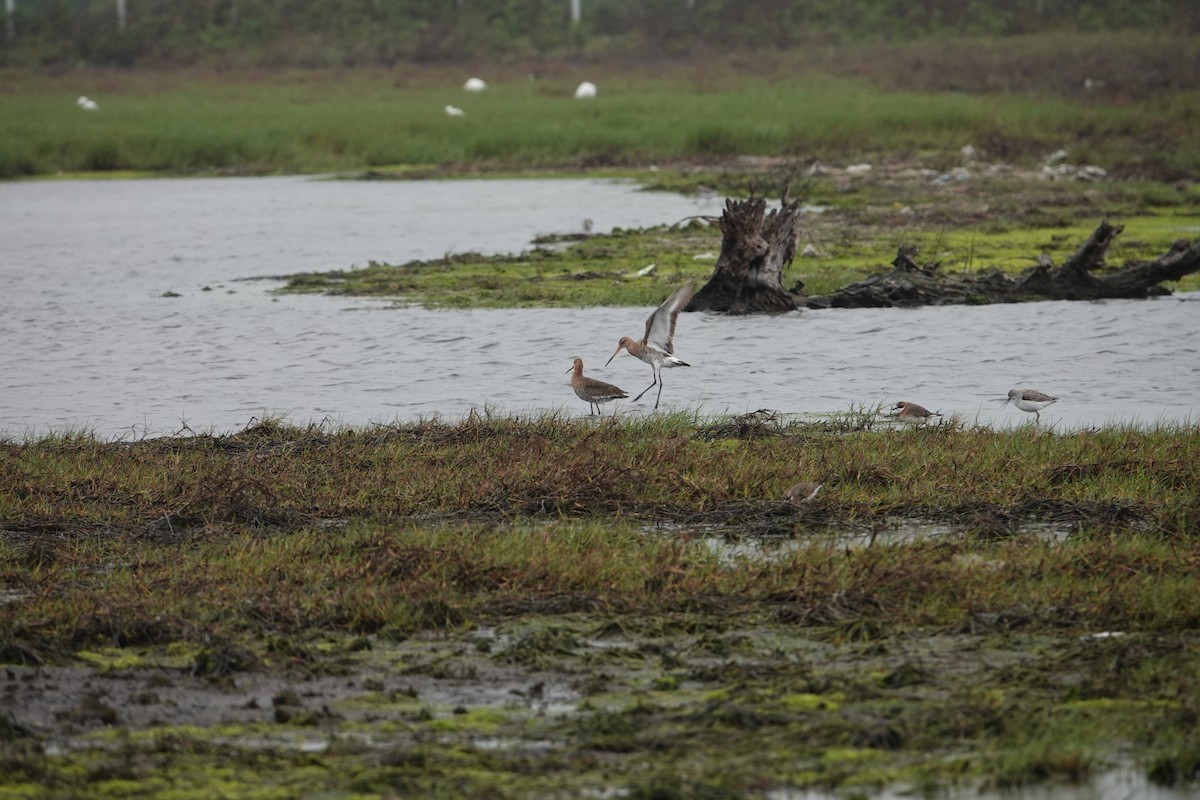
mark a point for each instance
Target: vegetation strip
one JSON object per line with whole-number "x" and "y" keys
{"x": 526, "y": 604}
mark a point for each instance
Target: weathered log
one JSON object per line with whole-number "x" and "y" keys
{"x": 755, "y": 248}
{"x": 909, "y": 284}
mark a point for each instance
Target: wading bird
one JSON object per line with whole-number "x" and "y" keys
{"x": 1030, "y": 400}
{"x": 913, "y": 413}
{"x": 657, "y": 347}
{"x": 802, "y": 493}
{"x": 592, "y": 391}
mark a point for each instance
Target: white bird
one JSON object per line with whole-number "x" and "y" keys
{"x": 454, "y": 112}
{"x": 1030, "y": 400}
{"x": 87, "y": 104}
{"x": 657, "y": 347}
{"x": 585, "y": 90}
{"x": 474, "y": 85}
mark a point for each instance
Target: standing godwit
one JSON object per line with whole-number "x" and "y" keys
{"x": 913, "y": 413}
{"x": 1029, "y": 400}
{"x": 592, "y": 391}
{"x": 657, "y": 347}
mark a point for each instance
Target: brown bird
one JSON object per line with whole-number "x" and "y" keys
{"x": 592, "y": 391}
{"x": 657, "y": 347}
{"x": 914, "y": 414}
{"x": 802, "y": 493}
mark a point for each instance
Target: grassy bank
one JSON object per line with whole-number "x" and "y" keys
{"x": 524, "y": 606}
{"x": 836, "y": 104}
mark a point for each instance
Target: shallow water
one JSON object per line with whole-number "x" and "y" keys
{"x": 89, "y": 341}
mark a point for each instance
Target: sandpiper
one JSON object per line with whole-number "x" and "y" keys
{"x": 592, "y": 391}
{"x": 1029, "y": 400}
{"x": 802, "y": 493}
{"x": 914, "y": 414}
{"x": 657, "y": 347}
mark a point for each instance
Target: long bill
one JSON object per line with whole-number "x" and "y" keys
{"x": 614, "y": 355}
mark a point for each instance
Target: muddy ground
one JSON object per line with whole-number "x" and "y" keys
{"x": 583, "y": 704}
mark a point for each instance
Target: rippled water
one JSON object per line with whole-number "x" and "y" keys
{"x": 89, "y": 341}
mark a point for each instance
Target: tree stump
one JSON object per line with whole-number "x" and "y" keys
{"x": 756, "y": 246}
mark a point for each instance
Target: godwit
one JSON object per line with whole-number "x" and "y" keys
{"x": 592, "y": 391}
{"x": 1029, "y": 400}
{"x": 913, "y": 413}
{"x": 802, "y": 493}
{"x": 657, "y": 347}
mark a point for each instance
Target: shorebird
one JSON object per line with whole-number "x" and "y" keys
{"x": 802, "y": 493}
{"x": 592, "y": 391}
{"x": 87, "y": 103}
{"x": 1030, "y": 400}
{"x": 657, "y": 347}
{"x": 913, "y": 413}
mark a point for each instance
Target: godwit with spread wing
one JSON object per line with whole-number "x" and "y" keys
{"x": 657, "y": 347}
{"x": 913, "y": 413}
{"x": 1029, "y": 400}
{"x": 592, "y": 391}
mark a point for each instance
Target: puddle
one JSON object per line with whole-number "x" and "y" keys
{"x": 1124, "y": 783}
{"x": 732, "y": 548}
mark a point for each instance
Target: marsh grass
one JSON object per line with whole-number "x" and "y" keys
{"x": 399, "y": 528}
{"x": 404, "y": 562}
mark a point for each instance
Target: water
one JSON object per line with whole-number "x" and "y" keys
{"x": 88, "y": 341}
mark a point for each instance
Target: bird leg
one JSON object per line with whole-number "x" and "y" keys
{"x": 648, "y": 388}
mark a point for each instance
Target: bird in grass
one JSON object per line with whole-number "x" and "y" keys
{"x": 913, "y": 414}
{"x": 454, "y": 111}
{"x": 87, "y": 103}
{"x": 592, "y": 391}
{"x": 802, "y": 493}
{"x": 585, "y": 91}
{"x": 475, "y": 85}
{"x": 657, "y": 347}
{"x": 1029, "y": 400}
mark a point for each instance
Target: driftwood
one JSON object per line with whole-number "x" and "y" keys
{"x": 755, "y": 248}
{"x": 910, "y": 284}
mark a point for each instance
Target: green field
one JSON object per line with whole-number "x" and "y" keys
{"x": 700, "y": 112}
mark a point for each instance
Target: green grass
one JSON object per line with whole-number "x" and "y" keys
{"x": 103, "y": 500}
{"x": 340, "y": 121}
